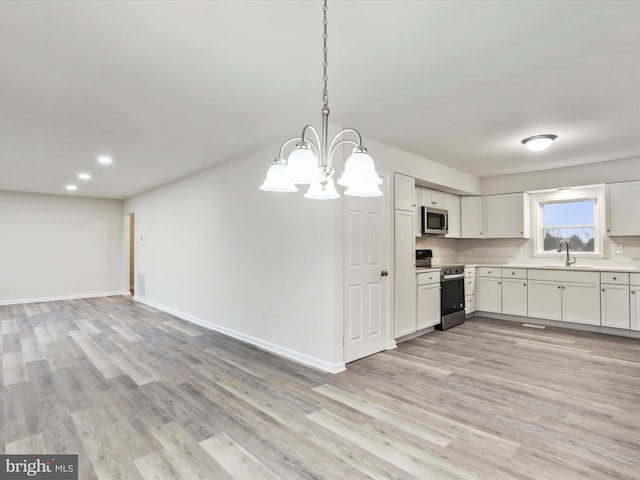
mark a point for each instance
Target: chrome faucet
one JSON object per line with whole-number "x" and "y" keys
{"x": 569, "y": 262}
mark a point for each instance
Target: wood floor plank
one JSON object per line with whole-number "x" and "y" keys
{"x": 140, "y": 394}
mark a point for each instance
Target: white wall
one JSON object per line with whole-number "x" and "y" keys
{"x": 605, "y": 172}
{"x": 262, "y": 266}
{"x": 54, "y": 247}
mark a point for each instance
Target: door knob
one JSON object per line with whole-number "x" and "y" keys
{"x": 384, "y": 273}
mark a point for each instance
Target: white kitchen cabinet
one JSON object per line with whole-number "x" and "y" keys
{"x": 433, "y": 198}
{"x": 507, "y": 216}
{"x": 514, "y": 296}
{"x": 428, "y": 300}
{"x": 580, "y": 303}
{"x": 490, "y": 294}
{"x": 404, "y": 188}
{"x": 418, "y": 211}
{"x": 544, "y": 299}
{"x": 470, "y": 290}
{"x": 452, "y": 205}
{"x": 614, "y": 300}
{"x": 634, "y": 302}
{"x": 405, "y": 273}
{"x": 623, "y": 208}
{"x": 472, "y": 217}
{"x": 568, "y": 296}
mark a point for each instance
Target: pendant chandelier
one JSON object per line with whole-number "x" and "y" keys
{"x": 310, "y": 162}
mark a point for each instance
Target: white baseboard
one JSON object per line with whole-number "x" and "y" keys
{"x": 63, "y": 297}
{"x": 269, "y": 347}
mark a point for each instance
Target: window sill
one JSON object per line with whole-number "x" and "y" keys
{"x": 571, "y": 254}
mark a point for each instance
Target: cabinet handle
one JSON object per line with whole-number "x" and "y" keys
{"x": 559, "y": 287}
{"x": 524, "y": 284}
{"x": 608, "y": 229}
{"x": 513, "y": 273}
{"x": 614, "y": 278}
{"x": 563, "y": 287}
{"x": 498, "y": 283}
{"x": 603, "y": 289}
{"x": 633, "y": 291}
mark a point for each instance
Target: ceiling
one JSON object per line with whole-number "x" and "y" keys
{"x": 170, "y": 88}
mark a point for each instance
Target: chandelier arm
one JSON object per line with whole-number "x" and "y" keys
{"x": 333, "y": 148}
{"x": 284, "y": 145}
{"x": 342, "y": 132}
{"x": 315, "y": 133}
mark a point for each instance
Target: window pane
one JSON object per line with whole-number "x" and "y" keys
{"x": 580, "y": 239}
{"x": 569, "y": 213}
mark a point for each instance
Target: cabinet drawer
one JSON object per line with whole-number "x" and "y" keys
{"x": 428, "y": 277}
{"x": 489, "y": 272}
{"x": 470, "y": 286}
{"x": 471, "y": 272}
{"x": 614, "y": 277}
{"x": 520, "y": 273}
{"x": 635, "y": 279}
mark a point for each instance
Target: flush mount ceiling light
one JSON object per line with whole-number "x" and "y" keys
{"x": 311, "y": 160}
{"x": 71, "y": 188}
{"x": 104, "y": 160}
{"x": 538, "y": 143}
{"x": 84, "y": 176}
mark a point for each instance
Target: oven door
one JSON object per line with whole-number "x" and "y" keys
{"x": 452, "y": 294}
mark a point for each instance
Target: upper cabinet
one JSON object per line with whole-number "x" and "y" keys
{"x": 452, "y": 205}
{"x": 507, "y": 216}
{"x": 404, "y": 192}
{"x": 472, "y": 217}
{"x": 623, "y": 208}
{"x": 495, "y": 216}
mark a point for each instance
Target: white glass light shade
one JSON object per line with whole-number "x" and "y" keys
{"x": 538, "y": 143}
{"x": 303, "y": 166}
{"x": 360, "y": 169}
{"x": 277, "y": 179}
{"x": 318, "y": 191}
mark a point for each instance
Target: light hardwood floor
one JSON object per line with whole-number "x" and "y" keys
{"x": 139, "y": 394}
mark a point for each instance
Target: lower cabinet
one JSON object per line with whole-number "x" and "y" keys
{"x": 634, "y": 304}
{"x": 514, "y": 296}
{"x": 545, "y": 299}
{"x": 428, "y": 305}
{"x": 580, "y": 303}
{"x": 490, "y": 290}
{"x": 470, "y": 290}
{"x": 614, "y": 300}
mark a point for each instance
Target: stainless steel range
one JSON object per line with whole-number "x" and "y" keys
{"x": 451, "y": 290}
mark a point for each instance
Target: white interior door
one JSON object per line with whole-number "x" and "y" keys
{"x": 366, "y": 287}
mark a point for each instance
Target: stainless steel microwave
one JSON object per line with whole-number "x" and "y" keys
{"x": 435, "y": 221}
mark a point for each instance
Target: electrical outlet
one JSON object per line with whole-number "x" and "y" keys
{"x": 617, "y": 247}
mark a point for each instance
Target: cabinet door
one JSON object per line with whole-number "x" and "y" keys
{"x": 581, "y": 303}
{"x": 544, "y": 299}
{"x": 405, "y": 274}
{"x": 405, "y": 193}
{"x": 514, "y": 296}
{"x": 623, "y": 208}
{"x": 428, "y": 305}
{"x": 469, "y": 304}
{"x": 635, "y": 308}
{"x": 507, "y": 216}
{"x": 614, "y": 304}
{"x": 490, "y": 294}
{"x": 418, "y": 211}
{"x": 472, "y": 217}
{"x": 452, "y": 205}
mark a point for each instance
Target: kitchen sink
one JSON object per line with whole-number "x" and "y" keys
{"x": 574, "y": 267}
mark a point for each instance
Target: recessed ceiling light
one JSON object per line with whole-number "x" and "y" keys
{"x": 103, "y": 159}
{"x": 72, "y": 187}
{"x": 84, "y": 176}
{"x": 537, "y": 143}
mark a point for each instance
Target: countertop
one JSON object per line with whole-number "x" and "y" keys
{"x": 579, "y": 268}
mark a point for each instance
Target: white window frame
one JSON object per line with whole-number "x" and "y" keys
{"x": 595, "y": 193}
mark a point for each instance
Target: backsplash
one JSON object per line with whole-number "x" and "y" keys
{"x": 520, "y": 251}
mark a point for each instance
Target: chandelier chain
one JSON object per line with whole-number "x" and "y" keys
{"x": 325, "y": 95}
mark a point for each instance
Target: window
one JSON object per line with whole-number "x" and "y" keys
{"x": 573, "y": 221}
{"x": 574, "y": 216}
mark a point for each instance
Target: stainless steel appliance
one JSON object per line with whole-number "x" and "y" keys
{"x": 435, "y": 221}
{"x": 451, "y": 289}
{"x": 451, "y": 296}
